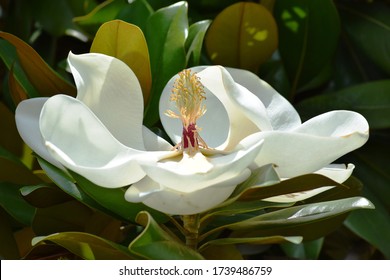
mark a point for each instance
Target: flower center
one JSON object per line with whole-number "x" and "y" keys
{"x": 188, "y": 94}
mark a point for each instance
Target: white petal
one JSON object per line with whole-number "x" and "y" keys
{"x": 154, "y": 142}
{"x": 197, "y": 172}
{"x": 315, "y": 144}
{"x": 294, "y": 197}
{"x": 280, "y": 112}
{"x": 111, "y": 90}
{"x": 175, "y": 202}
{"x": 245, "y": 111}
{"x": 27, "y": 121}
{"x": 337, "y": 172}
{"x": 79, "y": 141}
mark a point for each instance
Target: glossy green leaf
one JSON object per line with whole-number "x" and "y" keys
{"x": 372, "y": 100}
{"x": 290, "y": 187}
{"x": 104, "y": 12}
{"x": 374, "y": 172}
{"x": 86, "y": 246}
{"x": 252, "y": 240}
{"x": 136, "y": 12}
{"x": 308, "y": 35}
{"x": 14, "y": 204}
{"x": 310, "y": 221}
{"x": 155, "y": 243}
{"x": 244, "y": 35}
{"x": 42, "y": 77}
{"x": 127, "y": 43}
{"x": 10, "y": 58}
{"x": 194, "y": 42}
{"x": 309, "y": 250}
{"x": 368, "y": 27}
{"x": 114, "y": 200}
{"x": 166, "y": 32}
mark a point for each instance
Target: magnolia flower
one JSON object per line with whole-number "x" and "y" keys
{"x": 223, "y": 123}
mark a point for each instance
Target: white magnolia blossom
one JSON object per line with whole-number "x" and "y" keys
{"x": 223, "y": 122}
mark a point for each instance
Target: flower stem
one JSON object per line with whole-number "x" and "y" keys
{"x": 191, "y": 226}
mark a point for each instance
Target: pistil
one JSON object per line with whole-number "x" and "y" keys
{"x": 188, "y": 94}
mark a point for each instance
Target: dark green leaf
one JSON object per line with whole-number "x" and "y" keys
{"x": 67, "y": 216}
{"x": 372, "y": 100}
{"x": 309, "y": 250}
{"x": 14, "y": 204}
{"x": 308, "y": 35}
{"x": 368, "y": 26}
{"x": 166, "y": 33}
{"x": 137, "y": 13}
{"x": 155, "y": 243}
{"x": 44, "y": 195}
{"x": 8, "y": 246}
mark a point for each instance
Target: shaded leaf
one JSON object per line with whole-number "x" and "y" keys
{"x": 8, "y": 245}
{"x": 166, "y": 32}
{"x": 86, "y": 246}
{"x": 308, "y": 33}
{"x": 10, "y": 139}
{"x": 155, "y": 243}
{"x": 372, "y": 100}
{"x": 220, "y": 252}
{"x": 244, "y": 35}
{"x": 67, "y": 216}
{"x": 42, "y": 77}
{"x": 252, "y": 240}
{"x": 127, "y": 43}
{"x": 368, "y": 26}
{"x": 309, "y": 250}
{"x": 14, "y": 204}
{"x": 44, "y": 195}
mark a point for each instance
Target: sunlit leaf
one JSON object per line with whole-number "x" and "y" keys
{"x": 104, "y": 12}
{"x": 127, "y": 43}
{"x": 310, "y": 221}
{"x": 86, "y": 246}
{"x": 42, "y": 77}
{"x": 136, "y": 12}
{"x": 166, "y": 32}
{"x": 308, "y": 33}
{"x": 243, "y": 35}
{"x": 372, "y": 100}
{"x": 194, "y": 42}
{"x": 155, "y": 243}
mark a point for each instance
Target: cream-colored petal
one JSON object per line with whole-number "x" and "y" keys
{"x": 175, "y": 202}
{"x": 282, "y": 115}
{"x": 198, "y": 171}
{"x": 315, "y": 144}
{"x": 27, "y": 122}
{"x": 112, "y": 92}
{"x": 78, "y": 140}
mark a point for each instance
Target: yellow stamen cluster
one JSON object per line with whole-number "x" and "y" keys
{"x": 188, "y": 93}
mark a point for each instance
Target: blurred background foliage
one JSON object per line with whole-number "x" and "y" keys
{"x": 321, "y": 55}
